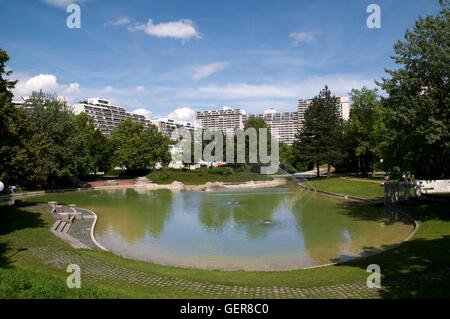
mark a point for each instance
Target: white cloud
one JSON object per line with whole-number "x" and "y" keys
{"x": 184, "y": 114}
{"x": 204, "y": 71}
{"x": 301, "y": 37}
{"x": 62, "y": 3}
{"x": 72, "y": 88}
{"x": 120, "y": 21}
{"x": 288, "y": 91}
{"x": 140, "y": 88}
{"x": 181, "y": 29}
{"x": 144, "y": 112}
{"x": 45, "y": 82}
{"x": 244, "y": 90}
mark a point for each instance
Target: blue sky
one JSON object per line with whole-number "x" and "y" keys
{"x": 161, "y": 57}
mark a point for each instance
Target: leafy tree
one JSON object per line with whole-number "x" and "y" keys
{"x": 418, "y": 112}
{"x": 139, "y": 149}
{"x": 320, "y": 139}
{"x": 68, "y": 155}
{"x": 365, "y": 130}
{"x": 288, "y": 159}
{"x": 256, "y": 123}
{"x": 98, "y": 144}
{"x": 20, "y": 150}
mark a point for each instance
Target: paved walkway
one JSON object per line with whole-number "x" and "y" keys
{"x": 81, "y": 229}
{"x": 94, "y": 269}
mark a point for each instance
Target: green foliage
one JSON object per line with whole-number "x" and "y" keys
{"x": 365, "y": 131}
{"x": 320, "y": 139}
{"x": 417, "y": 108}
{"x": 67, "y": 155}
{"x": 21, "y": 151}
{"x": 256, "y": 123}
{"x": 99, "y": 145}
{"x": 223, "y": 171}
{"x": 137, "y": 148}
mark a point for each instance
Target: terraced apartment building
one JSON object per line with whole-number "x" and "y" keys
{"x": 106, "y": 115}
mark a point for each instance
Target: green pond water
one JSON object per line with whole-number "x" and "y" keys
{"x": 227, "y": 229}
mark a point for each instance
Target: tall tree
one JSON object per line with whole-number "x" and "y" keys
{"x": 98, "y": 144}
{"x": 364, "y": 131}
{"x": 20, "y": 150}
{"x": 319, "y": 140}
{"x": 68, "y": 155}
{"x": 418, "y": 112}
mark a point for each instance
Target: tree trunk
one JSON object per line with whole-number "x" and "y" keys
{"x": 318, "y": 170}
{"x": 328, "y": 170}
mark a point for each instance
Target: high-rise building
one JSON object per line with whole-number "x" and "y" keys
{"x": 106, "y": 115}
{"x": 303, "y": 104}
{"x": 283, "y": 125}
{"x": 225, "y": 120}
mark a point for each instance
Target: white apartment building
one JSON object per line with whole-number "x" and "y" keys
{"x": 283, "y": 125}
{"x": 106, "y": 115}
{"x": 167, "y": 126}
{"x": 24, "y": 103}
{"x": 225, "y": 120}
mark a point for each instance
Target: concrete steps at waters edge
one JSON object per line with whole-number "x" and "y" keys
{"x": 61, "y": 229}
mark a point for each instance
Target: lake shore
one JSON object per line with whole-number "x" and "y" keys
{"x": 212, "y": 186}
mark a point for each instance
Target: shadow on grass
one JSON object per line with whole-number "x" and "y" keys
{"x": 4, "y": 260}
{"x": 14, "y": 218}
{"x": 419, "y": 268}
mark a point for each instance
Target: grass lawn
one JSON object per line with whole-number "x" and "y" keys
{"x": 355, "y": 188}
{"x": 22, "y": 275}
{"x": 204, "y": 175}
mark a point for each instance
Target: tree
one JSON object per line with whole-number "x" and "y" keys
{"x": 364, "y": 131}
{"x": 98, "y": 144}
{"x": 418, "y": 112}
{"x": 20, "y": 150}
{"x": 68, "y": 155}
{"x": 256, "y": 123}
{"x": 319, "y": 140}
{"x": 138, "y": 149}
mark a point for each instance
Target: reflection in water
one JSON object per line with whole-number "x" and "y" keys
{"x": 230, "y": 229}
{"x": 245, "y": 211}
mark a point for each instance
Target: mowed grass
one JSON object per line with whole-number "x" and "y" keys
{"x": 24, "y": 276}
{"x": 204, "y": 175}
{"x": 365, "y": 190}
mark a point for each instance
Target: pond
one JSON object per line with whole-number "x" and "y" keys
{"x": 251, "y": 229}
